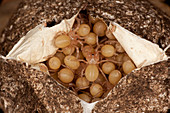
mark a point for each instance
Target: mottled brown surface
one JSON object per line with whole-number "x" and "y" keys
{"x": 27, "y": 90}
{"x": 138, "y": 16}
{"x": 162, "y": 4}
{"x": 145, "y": 90}
{"x": 6, "y": 11}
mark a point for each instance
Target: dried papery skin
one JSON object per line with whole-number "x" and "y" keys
{"x": 82, "y": 83}
{"x": 38, "y": 44}
{"x": 128, "y": 66}
{"x": 99, "y": 28}
{"x": 107, "y": 67}
{"x": 146, "y": 52}
{"x": 91, "y": 72}
{"x": 108, "y": 50}
{"x": 91, "y": 38}
{"x": 85, "y": 97}
{"x": 83, "y": 30}
{"x": 68, "y": 50}
{"x": 61, "y": 56}
{"x": 96, "y": 90}
{"x": 66, "y": 75}
{"x": 114, "y": 77}
{"x": 119, "y": 48}
{"x": 110, "y": 35}
{"x": 62, "y": 41}
{"x": 54, "y": 63}
{"x": 72, "y": 62}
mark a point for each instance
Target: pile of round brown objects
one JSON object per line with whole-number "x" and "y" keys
{"x": 90, "y": 61}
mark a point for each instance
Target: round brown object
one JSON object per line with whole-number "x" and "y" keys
{"x": 108, "y": 50}
{"x": 83, "y": 30}
{"x": 114, "y": 77}
{"x": 54, "y": 63}
{"x": 107, "y": 67}
{"x": 99, "y": 28}
{"x": 62, "y": 41}
{"x": 65, "y": 75}
{"x": 96, "y": 90}
{"x": 82, "y": 83}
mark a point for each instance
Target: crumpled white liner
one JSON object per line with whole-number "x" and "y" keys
{"x": 87, "y": 107}
{"x": 141, "y": 51}
{"x": 38, "y": 44}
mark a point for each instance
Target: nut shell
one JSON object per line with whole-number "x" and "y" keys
{"x": 22, "y": 85}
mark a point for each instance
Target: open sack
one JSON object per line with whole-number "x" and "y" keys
{"x": 27, "y": 83}
{"x": 38, "y": 46}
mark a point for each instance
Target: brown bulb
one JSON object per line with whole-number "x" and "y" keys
{"x": 99, "y": 28}
{"x": 107, "y": 67}
{"x": 82, "y": 83}
{"x": 62, "y": 41}
{"x": 61, "y": 56}
{"x": 114, "y": 77}
{"x": 128, "y": 66}
{"x": 54, "y": 63}
{"x": 108, "y": 50}
{"x": 96, "y": 90}
{"x": 91, "y": 38}
{"x": 85, "y": 97}
{"x": 65, "y": 75}
{"x": 91, "y": 72}
{"x": 83, "y": 30}
{"x": 72, "y": 62}
{"x": 68, "y": 50}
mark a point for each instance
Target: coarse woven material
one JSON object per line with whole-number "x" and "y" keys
{"x": 25, "y": 89}
{"x": 145, "y": 90}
